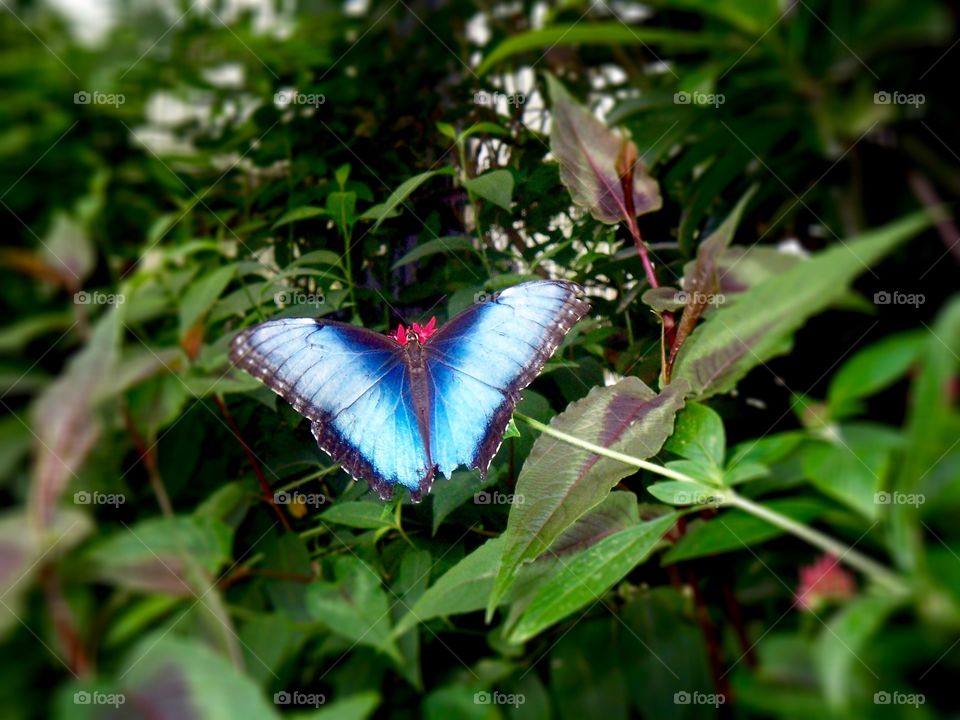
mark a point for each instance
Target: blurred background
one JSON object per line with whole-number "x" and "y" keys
{"x": 170, "y": 171}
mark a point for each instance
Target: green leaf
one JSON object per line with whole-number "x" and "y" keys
{"x": 68, "y": 250}
{"x": 585, "y": 578}
{"x": 22, "y": 549}
{"x": 734, "y": 530}
{"x": 698, "y": 435}
{"x": 305, "y": 212}
{"x": 163, "y": 555}
{"x": 437, "y": 245}
{"x": 64, "y": 418}
{"x": 467, "y": 585}
{"x": 342, "y": 207}
{"x": 389, "y": 208}
{"x": 495, "y": 186}
{"x": 169, "y": 676}
{"x": 928, "y": 436}
{"x": 559, "y": 482}
{"x": 757, "y": 325}
{"x": 872, "y": 369}
{"x": 853, "y": 465}
{"x": 843, "y": 640}
{"x": 592, "y": 159}
{"x": 360, "y": 514}
{"x": 745, "y": 472}
{"x": 354, "y": 606}
{"x": 600, "y": 33}
{"x": 202, "y": 294}
{"x": 463, "y": 588}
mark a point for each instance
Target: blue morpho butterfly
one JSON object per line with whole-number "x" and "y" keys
{"x": 395, "y": 409}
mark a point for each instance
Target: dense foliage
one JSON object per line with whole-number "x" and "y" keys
{"x": 733, "y": 490}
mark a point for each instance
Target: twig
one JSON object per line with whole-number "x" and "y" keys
{"x": 149, "y": 458}
{"x": 76, "y": 659}
{"x": 252, "y": 459}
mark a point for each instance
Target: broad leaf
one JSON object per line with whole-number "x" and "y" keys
{"x": 842, "y": 641}
{"x": 701, "y": 283}
{"x": 390, "y": 207}
{"x": 733, "y": 530}
{"x": 590, "y": 157}
{"x": 202, "y": 294}
{"x": 354, "y": 606}
{"x": 559, "y": 482}
{"x": 585, "y": 578}
{"x": 758, "y": 324}
{"x": 64, "y": 419}
{"x": 495, "y": 186}
{"x": 304, "y": 212}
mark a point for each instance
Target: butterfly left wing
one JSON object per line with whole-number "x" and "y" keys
{"x": 354, "y": 387}
{"x": 479, "y": 362}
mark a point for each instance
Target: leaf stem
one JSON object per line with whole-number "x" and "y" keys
{"x": 844, "y": 553}
{"x": 600, "y": 450}
{"x": 729, "y": 497}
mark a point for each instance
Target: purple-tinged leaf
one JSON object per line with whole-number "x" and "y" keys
{"x": 63, "y": 419}
{"x": 590, "y": 154}
{"x": 701, "y": 286}
{"x": 560, "y": 482}
{"x": 759, "y": 323}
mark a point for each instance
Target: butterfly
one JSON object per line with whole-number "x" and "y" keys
{"x": 395, "y": 409}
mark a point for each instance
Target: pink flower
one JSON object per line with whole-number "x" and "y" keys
{"x": 400, "y": 335}
{"x": 424, "y": 331}
{"x": 823, "y": 581}
{"x": 421, "y": 332}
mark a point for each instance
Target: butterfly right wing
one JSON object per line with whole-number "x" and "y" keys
{"x": 354, "y": 387}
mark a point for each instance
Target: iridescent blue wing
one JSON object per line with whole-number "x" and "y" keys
{"x": 480, "y": 361}
{"x": 354, "y": 387}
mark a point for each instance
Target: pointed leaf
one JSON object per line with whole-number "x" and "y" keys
{"x": 64, "y": 420}
{"x": 495, "y": 186}
{"x": 758, "y": 324}
{"x": 354, "y": 606}
{"x": 559, "y": 482}
{"x": 588, "y": 154}
{"x": 588, "y": 576}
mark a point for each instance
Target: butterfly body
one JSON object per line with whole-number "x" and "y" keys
{"x": 396, "y": 409}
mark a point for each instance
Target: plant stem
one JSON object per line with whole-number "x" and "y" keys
{"x": 600, "y": 450}
{"x": 826, "y": 543}
{"x": 728, "y": 497}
